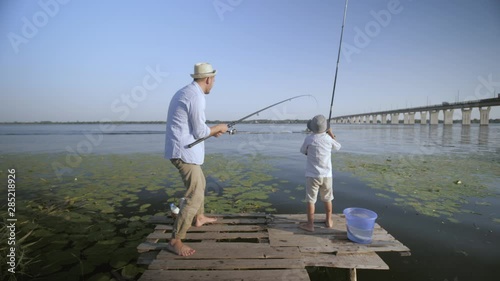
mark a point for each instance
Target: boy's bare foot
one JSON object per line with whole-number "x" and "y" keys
{"x": 202, "y": 219}
{"x": 329, "y": 224}
{"x": 177, "y": 247}
{"x": 307, "y": 226}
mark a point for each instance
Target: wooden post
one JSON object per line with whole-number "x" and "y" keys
{"x": 352, "y": 274}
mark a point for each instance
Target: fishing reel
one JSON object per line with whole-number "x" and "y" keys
{"x": 231, "y": 131}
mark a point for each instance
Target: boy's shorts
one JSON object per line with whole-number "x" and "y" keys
{"x": 325, "y": 187}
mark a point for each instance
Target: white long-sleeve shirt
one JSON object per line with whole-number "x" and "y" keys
{"x": 318, "y": 149}
{"x": 185, "y": 124}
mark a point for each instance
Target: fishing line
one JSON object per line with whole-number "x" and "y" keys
{"x": 231, "y": 124}
{"x": 338, "y": 59}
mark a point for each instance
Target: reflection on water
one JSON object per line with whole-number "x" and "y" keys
{"x": 465, "y": 135}
{"x": 484, "y": 133}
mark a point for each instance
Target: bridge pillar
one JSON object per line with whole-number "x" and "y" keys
{"x": 374, "y": 119}
{"x": 423, "y": 117}
{"x": 448, "y": 116}
{"x": 359, "y": 119}
{"x": 411, "y": 118}
{"x": 367, "y": 119}
{"x": 484, "y": 114}
{"x": 383, "y": 118}
{"x": 466, "y": 116}
{"x": 395, "y": 118}
{"x": 434, "y": 117}
{"x": 405, "y": 118}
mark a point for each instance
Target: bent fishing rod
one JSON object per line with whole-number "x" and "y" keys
{"x": 338, "y": 59}
{"x": 229, "y": 125}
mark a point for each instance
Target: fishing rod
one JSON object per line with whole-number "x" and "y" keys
{"x": 229, "y": 125}
{"x": 338, "y": 59}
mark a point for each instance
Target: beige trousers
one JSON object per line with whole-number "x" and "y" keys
{"x": 195, "y": 183}
{"x": 325, "y": 187}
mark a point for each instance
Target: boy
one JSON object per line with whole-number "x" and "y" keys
{"x": 318, "y": 149}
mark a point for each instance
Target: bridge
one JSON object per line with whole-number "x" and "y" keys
{"x": 484, "y": 106}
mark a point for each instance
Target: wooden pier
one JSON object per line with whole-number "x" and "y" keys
{"x": 261, "y": 247}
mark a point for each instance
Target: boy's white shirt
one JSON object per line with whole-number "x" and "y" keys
{"x": 318, "y": 149}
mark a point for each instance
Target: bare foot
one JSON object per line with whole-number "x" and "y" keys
{"x": 307, "y": 226}
{"x": 177, "y": 247}
{"x": 329, "y": 224}
{"x": 202, "y": 219}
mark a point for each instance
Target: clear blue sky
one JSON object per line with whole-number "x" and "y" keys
{"x": 74, "y": 60}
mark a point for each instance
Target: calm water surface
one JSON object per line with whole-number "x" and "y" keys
{"x": 468, "y": 250}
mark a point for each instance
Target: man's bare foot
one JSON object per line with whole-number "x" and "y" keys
{"x": 307, "y": 226}
{"x": 202, "y": 219}
{"x": 177, "y": 247}
{"x": 329, "y": 224}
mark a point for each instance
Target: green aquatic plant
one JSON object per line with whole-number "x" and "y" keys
{"x": 88, "y": 223}
{"x": 433, "y": 185}
{"x": 23, "y": 252}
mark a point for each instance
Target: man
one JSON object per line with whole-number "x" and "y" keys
{"x": 185, "y": 124}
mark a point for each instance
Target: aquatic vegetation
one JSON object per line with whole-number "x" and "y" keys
{"x": 438, "y": 186}
{"x": 88, "y": 223}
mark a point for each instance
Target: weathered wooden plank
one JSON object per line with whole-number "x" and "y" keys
{"x": 226, "y": 275}
{"x": 147, "y": 257}
{"x": 305, "y": 238}
{"x": 303, "y": 217}
{"x": 155, "y": 240}
{"x": 212, "y": 235}
{"x": 236, "y": 251}
{"x": 297, "y": 218}
{"x": 220, "y": 264}
{"x": 235, "y": 220}
{"x": 357, "y": 260}
{"x": 284, "y": 245}
{"x": 319, "y": 228}
{"x": 375, "y": 246}
{"x": 382, "y": 242}
{"x": 216, "y": 227}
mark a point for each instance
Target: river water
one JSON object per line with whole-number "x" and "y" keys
{"x": 464, "y": 250}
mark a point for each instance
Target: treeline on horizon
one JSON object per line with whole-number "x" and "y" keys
{"x": 260, "y": 121}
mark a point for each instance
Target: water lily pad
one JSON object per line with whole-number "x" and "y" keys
{"x": 61, "y": 257}
{"x": 100, "y": 277}
{"x": 122, "y": 257}
{"x": 130, "y": 271}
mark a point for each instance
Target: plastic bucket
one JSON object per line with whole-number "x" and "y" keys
{"x": 360, "y": 223}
